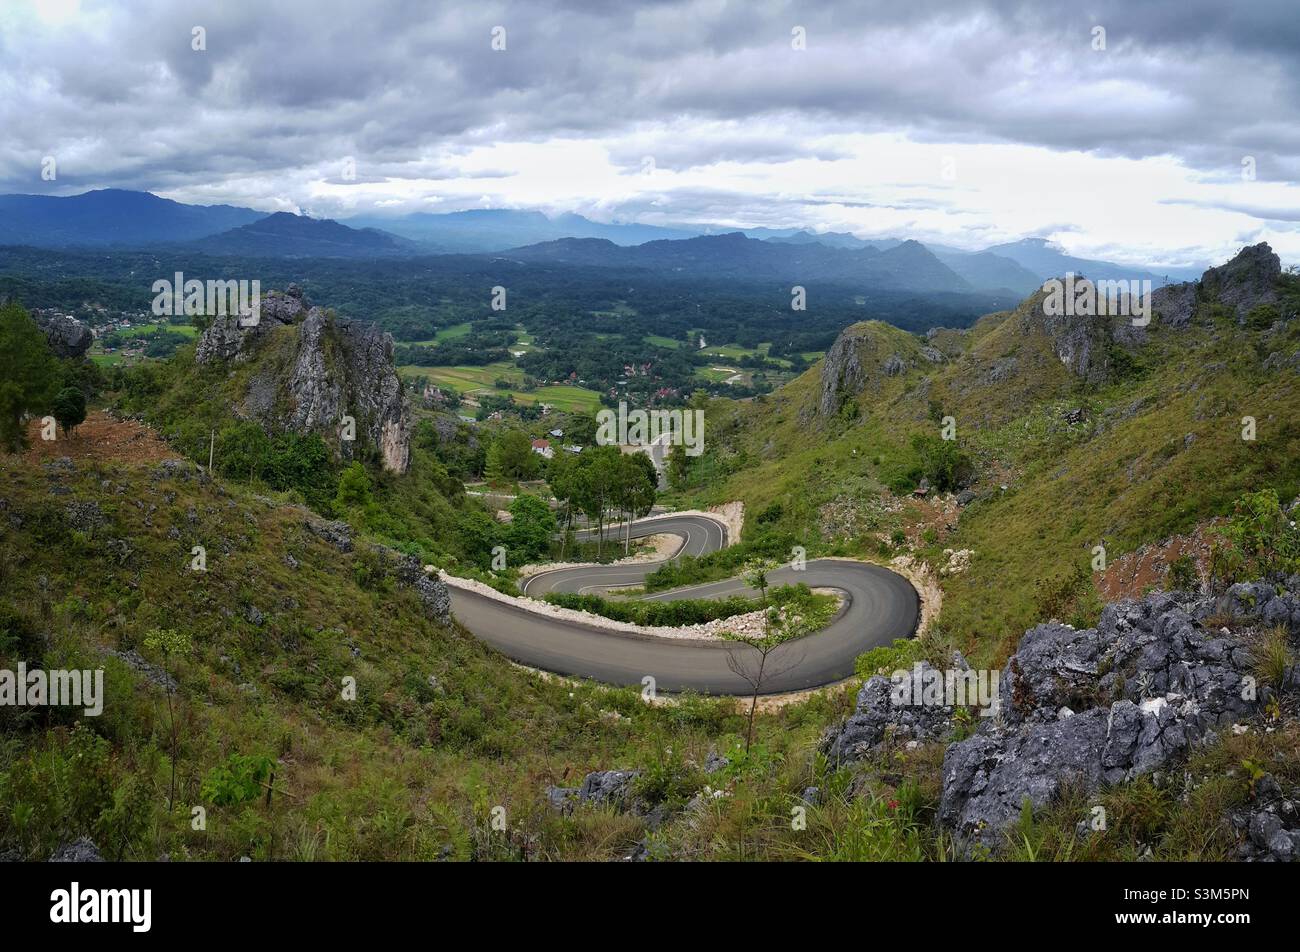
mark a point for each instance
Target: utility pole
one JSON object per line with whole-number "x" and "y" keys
{"x": 212, "y": 445}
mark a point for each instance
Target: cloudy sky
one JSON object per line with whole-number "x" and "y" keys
{"x": 1165, "y": 132}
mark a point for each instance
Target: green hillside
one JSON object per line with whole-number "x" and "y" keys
{"x": 1158, "y": 449}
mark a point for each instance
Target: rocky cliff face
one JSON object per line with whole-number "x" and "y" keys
{"x": 843, "y": 373}
{"x": 863, "y": 357}
{"x": 337, "y": 368}
{"x": 67, "y": 336}
{"x": 226, "y": 339}
{"x": 1248, "y": 280}
{"x": 1079, "y": 342}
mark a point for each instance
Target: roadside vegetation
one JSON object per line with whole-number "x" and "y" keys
{"x": 695, "y": 611}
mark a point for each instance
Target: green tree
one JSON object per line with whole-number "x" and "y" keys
{"x": 29, "y": 374}
{"x": 580, "y": 429}
{"x": 478, "y": 533}
{"x": 354, "y": 488}
{"x": 511, "y": 456}
{"x": 679, "y": 467}
{"x": 69, "y": 409}
{"x": 567, "y": 479}
{"x": 941, "y": 462}
{"x": 600, "y": 487}
{"x": 531, "y": 526}
{"x": 636, "y": 489}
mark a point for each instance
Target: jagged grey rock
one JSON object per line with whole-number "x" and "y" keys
{"x": 226, "y": 338}
{"x": 338, "y": 368}
{"x": 81, "y": 850}
{"x": 67, "y": 336}
{"x": 1148, "y": 683}
{"x": 85, "y": 516}
{"x": 1174, "y": 305}
{"x": 152, "y": 673}
{"x": 1079, "y": 341}
{"x": 337, "y": 534}
{"x": 713, "y": 762}
{"x": 1269, "y": 827}
{"x": 877, "y": 720}
{"x": 431, "y": 590}
{"x": 600, "y": 788}
{"x": 842, "y": 371}
{"x": 1248, "y": 280}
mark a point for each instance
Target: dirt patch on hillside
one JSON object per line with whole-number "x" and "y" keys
{"x": 101, "y": 437}
{"x": 1146, "y": 568}
{"x": 937, "y": 512}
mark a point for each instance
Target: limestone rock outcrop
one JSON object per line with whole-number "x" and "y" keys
{"x": 335, "y": 369}
{"x": 1105, "y": 705}
{"x": 67, "y": 336}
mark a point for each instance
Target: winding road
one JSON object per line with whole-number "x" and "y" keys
{"x": 879, "y": 606}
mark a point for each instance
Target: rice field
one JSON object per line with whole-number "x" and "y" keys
{"x": 470, "y": 380}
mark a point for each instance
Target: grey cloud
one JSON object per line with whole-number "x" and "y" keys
{"x": 283, "y": 89}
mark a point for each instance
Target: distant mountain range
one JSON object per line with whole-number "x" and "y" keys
{"x": 1047, "y": 261}
{"x": 284, "y": 235}
{"x": 833, "y": 239}
{"x": 111, "y": 216}
{"x": 908, "y": 266}
{"x": 129, "y": 219}
{"x": 497, "y": 229}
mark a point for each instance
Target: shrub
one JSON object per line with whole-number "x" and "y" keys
{"x": 685, "y": 611}
{"x": 239, "y": 780}
{"x": 942, "y": 462}
{"x": 1181, "y": 575}
{"x": 1258, "y": 541}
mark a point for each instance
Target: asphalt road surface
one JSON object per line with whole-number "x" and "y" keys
{"x": 879, "y": 606}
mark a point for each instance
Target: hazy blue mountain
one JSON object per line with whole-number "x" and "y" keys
{"x": 111, "y": 216}
{"x": 907, "y": 266}
{"x": 499, "y": 229}
{"x": 986, "y": 270}
{"x": 1046, "y": 260}
{"x": 284, "y": 235}
{"x": 832, "y": 239}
